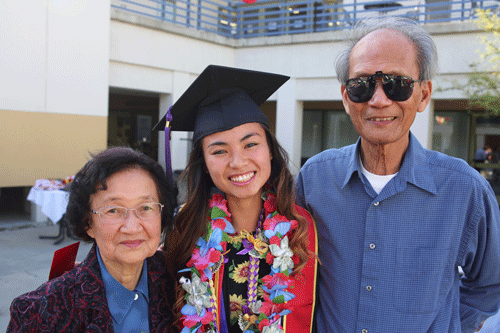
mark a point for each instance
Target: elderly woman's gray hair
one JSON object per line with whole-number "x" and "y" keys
{"x": 426, "y": 48}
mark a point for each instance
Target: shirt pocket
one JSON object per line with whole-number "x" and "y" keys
{"x": 423, "y": 277}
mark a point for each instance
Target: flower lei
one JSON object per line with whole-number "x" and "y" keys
{"x": 199, "y": 313}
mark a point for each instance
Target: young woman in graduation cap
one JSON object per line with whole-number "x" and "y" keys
{"x": 244, "y": 254}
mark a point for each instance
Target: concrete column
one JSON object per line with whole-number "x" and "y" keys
{"x": 423, "y": 125}
{"x": 289, "y": 123}
{"x": 180, "y": 143}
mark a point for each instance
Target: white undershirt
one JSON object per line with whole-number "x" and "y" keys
{"x": 378, "y": 182}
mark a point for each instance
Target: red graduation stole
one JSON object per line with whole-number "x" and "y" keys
{"x": 302, "y": 316}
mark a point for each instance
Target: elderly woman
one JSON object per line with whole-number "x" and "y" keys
{"x": 121, "y": 201}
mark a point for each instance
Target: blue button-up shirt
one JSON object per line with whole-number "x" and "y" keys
{"x": 129, "y": 308}
{"x": 389, "y": 260}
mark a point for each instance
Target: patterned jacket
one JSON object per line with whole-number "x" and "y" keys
{"x": 76, "y": 301}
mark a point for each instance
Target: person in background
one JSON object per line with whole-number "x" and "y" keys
{"x": 396, "y": 219}
{"x": 482, "y": 154}
{"x": 121, "y": 201}
{"x": 244, "y": 250}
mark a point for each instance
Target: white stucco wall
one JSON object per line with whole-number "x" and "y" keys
{"x": 24, "y": 62}
{"x": 54, "y": 56}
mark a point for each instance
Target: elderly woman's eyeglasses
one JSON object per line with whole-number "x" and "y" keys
{"x": 397, "y": 88}
{"x": 117, "y": 214}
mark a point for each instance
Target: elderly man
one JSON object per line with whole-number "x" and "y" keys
{"x": 395, "y": 220}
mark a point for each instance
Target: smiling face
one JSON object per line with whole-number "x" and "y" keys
{"x": 381, "y": 121}
{"x": 131, "y": 241}
{"x": 238, "y": 160}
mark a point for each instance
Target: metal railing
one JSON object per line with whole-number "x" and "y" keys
{"x": 236, "y": 19}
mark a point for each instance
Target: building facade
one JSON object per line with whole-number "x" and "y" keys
{"x": 78, "y": 76}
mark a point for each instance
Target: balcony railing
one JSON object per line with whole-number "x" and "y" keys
{"x": 236, "y": 19}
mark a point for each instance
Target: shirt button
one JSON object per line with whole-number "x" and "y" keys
{"x": 369, "y": 288}
{"x": 364, "y": 330}
{"x": 376, "y": 204}
{"x": 372, "y": 246}
{"x": 136, "y": 297}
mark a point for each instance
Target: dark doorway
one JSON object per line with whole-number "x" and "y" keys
{"x": 493, "y": 141}
{"x": 13, "y": 204}
{"x": 132, "y": 115}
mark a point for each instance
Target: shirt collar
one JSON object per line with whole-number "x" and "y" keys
{"x": 353, "y": 165}
{"x": 119, "y": 298}
{"x": 414, "y": 169}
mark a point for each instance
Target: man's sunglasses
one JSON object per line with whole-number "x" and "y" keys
{"x": 396, "y": 88}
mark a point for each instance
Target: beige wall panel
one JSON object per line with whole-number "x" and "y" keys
{"x": 37, "y": 145}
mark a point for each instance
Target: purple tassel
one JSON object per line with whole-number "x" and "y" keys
{"x": 168, "y": 158}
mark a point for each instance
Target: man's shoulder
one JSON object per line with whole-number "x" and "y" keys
{"x": 455, "y": 169}
{"x": 451, "y": 164}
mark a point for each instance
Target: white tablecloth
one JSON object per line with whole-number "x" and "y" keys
{"x": 52, "y": 202}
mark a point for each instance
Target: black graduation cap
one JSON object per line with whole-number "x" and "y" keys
{"x": 222, "y": 98}
{"x": 219, "y": 99}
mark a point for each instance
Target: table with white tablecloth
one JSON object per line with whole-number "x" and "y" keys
{"x": 53, "y": 202}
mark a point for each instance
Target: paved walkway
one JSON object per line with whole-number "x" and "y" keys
{"x": 25, "y": 261}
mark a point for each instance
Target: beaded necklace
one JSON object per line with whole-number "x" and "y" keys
{"x": 199, "y": 314}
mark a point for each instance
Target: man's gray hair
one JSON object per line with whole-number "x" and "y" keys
{"x": 426, "y": 48}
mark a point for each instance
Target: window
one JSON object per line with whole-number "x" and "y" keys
{"x": 451, "y": 133}
{"x": 250, "y": 19}
{"x": 298, "y": 17}
{"x": 487, "y": 136}
{"x": 272, "y": 19}
{"x": 437, "y": 9}
{"x": 167, "y": 10}
{"x": 322, "y": 130}
{"x": 227, "y": 22}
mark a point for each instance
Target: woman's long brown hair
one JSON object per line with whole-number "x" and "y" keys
{"x": 192, "y": 219}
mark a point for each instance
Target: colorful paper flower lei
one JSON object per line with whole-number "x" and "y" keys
{"x": 199, "y": 312}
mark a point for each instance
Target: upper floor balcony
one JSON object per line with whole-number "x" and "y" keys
{"x": 237, "y": 19}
